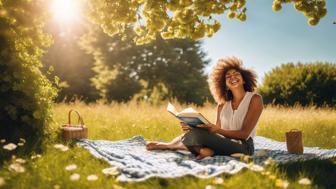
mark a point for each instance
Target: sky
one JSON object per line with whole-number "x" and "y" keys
{"x": 267, "y": 39}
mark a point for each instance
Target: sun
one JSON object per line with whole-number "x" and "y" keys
{"x": 65, "y": 11}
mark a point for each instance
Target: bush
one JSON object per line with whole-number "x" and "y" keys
{"x": 26, "y": 95}
{"x": 304, "y": 84}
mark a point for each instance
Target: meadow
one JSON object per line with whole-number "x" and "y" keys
{"x": 121, "y": 121}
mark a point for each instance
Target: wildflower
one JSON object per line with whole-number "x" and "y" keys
{"x": 2, "y": 181}
{"x": 35, "y": 156}
{"x": 58, "y": 146}
{"x": 10, "y": 146}
{"x": 111, "y": 171}
{"x": 2, "y": 140}
{"x": 209, "y": 186}
{"x": 61, "y": 147}
{"x": 281, "y": 183}
{"x": 65, "y": 148}
{"x": 92, "y": 177}
{"x": 16, "y": 167}
{"x": 71, "y": 167}
{"x": 74, "y": 176}
{"x": 218, "y": 180}
{"x": 20, "y": 144}
{"x": 21, "y": 161}
{"x": 305, "y": 181}
{"x": 256, "y": 168}
{"x": 22, "y": 140}
{"x": 117, "y": 186}
{"x": 269, "y": 161}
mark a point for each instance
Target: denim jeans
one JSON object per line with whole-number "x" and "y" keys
{"x": 221, "y": 145}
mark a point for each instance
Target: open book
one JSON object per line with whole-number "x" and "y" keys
{"x": 189, "y": 116}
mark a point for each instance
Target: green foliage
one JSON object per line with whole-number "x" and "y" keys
{"x": 156, "y": 71}
{"x": 26, "y": 95}
{"x": 70, "y": 64}
{"x": 193, "y": 19}
{"x": 313, "y": 83}
{"x": 122, "y": 88}
{"x": 314, "y": 10}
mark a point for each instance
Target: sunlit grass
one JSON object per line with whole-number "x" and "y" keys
{"x": 318, "y": 125}
{"x": 121, "y": 121}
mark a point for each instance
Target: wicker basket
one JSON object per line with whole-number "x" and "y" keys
{"x": 78, "y": 131}
{"x": 294, "y": 141}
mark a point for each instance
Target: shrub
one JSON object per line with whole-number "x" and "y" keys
{"x": 25, "y": 94}
{"x": 304, "y": 84}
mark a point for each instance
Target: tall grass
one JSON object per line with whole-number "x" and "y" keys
{"x": 121, "y": 121}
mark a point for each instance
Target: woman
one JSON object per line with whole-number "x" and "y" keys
{"x": 238, "y": 111}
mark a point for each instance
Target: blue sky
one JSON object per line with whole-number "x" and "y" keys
{"x": 267, "y": 39}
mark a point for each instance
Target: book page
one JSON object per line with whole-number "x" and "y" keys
{"x": 171, "y": 109}
{"x": 188, "y": 112}
{"x": 187, "y": 115}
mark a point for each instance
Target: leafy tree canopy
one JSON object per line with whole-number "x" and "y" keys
{"x": 192, "y": 19}
{"x": 163, "y": 68}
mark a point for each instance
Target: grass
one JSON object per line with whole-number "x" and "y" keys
{"x": 120, "y": 121}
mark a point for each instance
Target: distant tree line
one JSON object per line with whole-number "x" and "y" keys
{"x": 302, "y": 84}
{"x": 93, "y": 66}
{"x": 96, "y": 66}
{"x": 115, "y": 69}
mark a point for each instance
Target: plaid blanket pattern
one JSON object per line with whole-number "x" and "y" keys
{"x": 135, "y": 163}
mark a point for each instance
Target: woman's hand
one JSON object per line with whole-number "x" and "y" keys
{"x": 185, "y": 128}
{"x": 210, "y": 127}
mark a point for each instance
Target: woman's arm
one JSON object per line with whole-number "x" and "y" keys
{"x": 250, "y": 121}
{"x": 219, "y": 109}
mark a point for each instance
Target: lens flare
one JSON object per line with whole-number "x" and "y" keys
{"x": 65, "y": 11}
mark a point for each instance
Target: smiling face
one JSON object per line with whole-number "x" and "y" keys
{"x": 233, "y": 79}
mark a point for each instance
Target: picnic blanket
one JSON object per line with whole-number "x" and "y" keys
{"x": 135, "y": 163}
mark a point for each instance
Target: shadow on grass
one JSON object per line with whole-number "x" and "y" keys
{"x": 321, "y": 172}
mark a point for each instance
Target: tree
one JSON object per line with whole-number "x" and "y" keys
{"x": 192, "y": 19}
{"x": 26, "y": 95}
{"x": 163, "y": 68}
{"x": 305, "y": 84}
{"x": 70, "y": 65}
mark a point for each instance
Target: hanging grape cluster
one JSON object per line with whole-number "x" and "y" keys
{"x": 192, "y": 19}
{"x": 314, "y": 10}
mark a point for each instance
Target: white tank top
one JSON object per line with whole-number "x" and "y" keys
{"x": 233, "y": 119}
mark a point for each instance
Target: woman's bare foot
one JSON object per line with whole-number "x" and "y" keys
{"x": 174, "y": 145}
{"x": 205, "y": 152}
{"x": 153, "y": 145}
